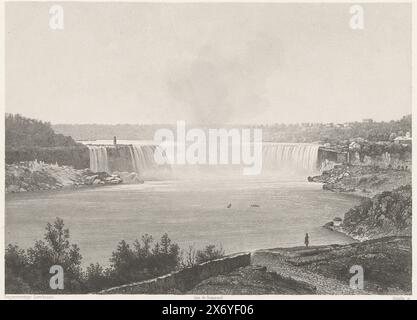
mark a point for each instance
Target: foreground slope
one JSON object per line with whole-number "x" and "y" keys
{"x": 386, "y": 263}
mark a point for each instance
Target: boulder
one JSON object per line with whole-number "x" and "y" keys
{"x": 129, "y": 177}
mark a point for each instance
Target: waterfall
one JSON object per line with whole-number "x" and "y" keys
{"x": 126, "y": 158}
{"x": 132, "y": 159}
{"x": 98, "y": 159}
{"x": 142, "y": 157}
{"x": 293, "y": 157}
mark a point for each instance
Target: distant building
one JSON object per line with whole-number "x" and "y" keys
{"x": 367, "y": 120}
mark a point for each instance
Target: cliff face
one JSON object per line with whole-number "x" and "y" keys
{"x": 386, "y": 214}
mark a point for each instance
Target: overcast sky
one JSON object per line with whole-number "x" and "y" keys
{"x": 218, "y": 63}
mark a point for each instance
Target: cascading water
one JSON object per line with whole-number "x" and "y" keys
{"x": 143, "y": 157}
{"x": 291, "y": 157}
{"x": 296, "y": 159}
{"x": 98, "y": 159}
{"x": 127, "y": 158}
{"x": 143, "y": 160}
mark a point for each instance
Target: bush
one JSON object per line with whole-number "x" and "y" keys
{"x": 28, "y": 271}
{"x": 32, "y": 268}
{"x": 209, "y": 253}
{"x": 16, "y": 270}
{"x": 97, "y": 278}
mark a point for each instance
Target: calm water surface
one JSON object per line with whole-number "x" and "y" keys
{"x": 192, "y": 212}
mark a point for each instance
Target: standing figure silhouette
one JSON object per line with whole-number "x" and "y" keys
{"x": 306, "y": 240}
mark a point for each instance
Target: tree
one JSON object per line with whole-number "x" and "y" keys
{"x": 140, "y": 262}
{"x": 193, "y": 257}
{"x": 16, "y": 270}
{"x": 56, "y": 250}
{"x": 189, "y": 258}
{"x": 33, "y": 267}
{"x": 209, "y": 253}
{"x": 97, "y": 278}
{"x": 25, "y": 132}
{"x": 28, "y": 271}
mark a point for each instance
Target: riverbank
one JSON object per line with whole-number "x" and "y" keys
{"x": 317, "y": 270}
{"x": 386, "y": 207}
{"x": 32, "y": 176}
{"x": 382, "y": 224}
{"x": 296, "y": 270}
{"x": 364, "y": 181}
{"x": 386, "y": 265}
{"x": 386, "y": 214}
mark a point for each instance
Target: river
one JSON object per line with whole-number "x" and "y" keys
{"x": 266, "y": 211}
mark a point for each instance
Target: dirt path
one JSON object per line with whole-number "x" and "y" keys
{"x": 279, "y": 261}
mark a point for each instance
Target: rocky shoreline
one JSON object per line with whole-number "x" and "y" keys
{"x": 386, "y": 214}
{"x": 386, "y": 206}
{"x": 32, "y": 176}
{"x": 381, "y": 224}
{"x": 361, "y": 180}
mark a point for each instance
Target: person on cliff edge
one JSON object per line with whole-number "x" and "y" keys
{"x": 306, "y": 240}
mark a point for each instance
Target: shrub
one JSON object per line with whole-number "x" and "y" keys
{"x": 32, "y": 268}
{"x": 28, "y": 271}
{"x": 209, "y": 253}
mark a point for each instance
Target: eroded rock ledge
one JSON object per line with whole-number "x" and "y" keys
{"x": 366, "y": 181}
{"x": 386, "y": 207}
{"x": 386, "y": 214}
{"x": 37, "y": 176}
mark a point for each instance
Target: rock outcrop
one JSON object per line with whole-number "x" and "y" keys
{"x": 386, "y": 207}
{"x": 129, "y": 177}
{"x": 362, "y": 180}
{"x": 386, "y": 214}
{"x": 37, "y": 176}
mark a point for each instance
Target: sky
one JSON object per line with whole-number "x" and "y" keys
{"x": 208, "y": 63}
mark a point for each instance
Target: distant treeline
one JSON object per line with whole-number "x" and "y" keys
{"x": 108, "y": 131}
{"x": 24, "y": 132}
{"x": 303, "y": 132}
{"x": 339, "y": 132}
